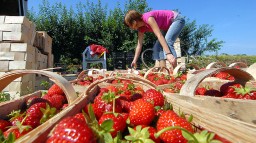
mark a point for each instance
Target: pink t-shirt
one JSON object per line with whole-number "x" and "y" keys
{"x": 163, "y": 19}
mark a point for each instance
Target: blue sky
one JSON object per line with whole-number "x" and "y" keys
{"x": 233, "y": 21}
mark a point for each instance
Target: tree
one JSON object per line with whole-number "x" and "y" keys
{"x": 73, "y": 30}
{"x": 194, "y": 39}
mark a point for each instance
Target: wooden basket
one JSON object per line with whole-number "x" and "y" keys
{"x": 95, "y": 73}
{"x": 40, "y": 134}
{"x": 216, "y": 65}
{"x": 181, "y": 66}
{"x": 238, "y": 64}
{"x": 231, "y": 129}
{"x": 252, "y": 70}
{"x": 162, "y": 70}
{"x": 7, "y": 78}
{"x": 125, "y": 73}
{"x": 243, "y": 110}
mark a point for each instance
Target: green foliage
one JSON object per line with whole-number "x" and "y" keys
{"x": 194, "y": 39}
{"x": 93, "y": 23}
{"x": 4, "y": 97}
{"x": 203, "y": 61}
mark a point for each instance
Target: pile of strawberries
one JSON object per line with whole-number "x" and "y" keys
{"x": 87, "y": 80}
{"x": 161, "y": 78}
{"x": 223, "y": 75}
{"x": 124, "y": 112}
{"x": 36, "y": 111}
{"x": 229, "y": 90}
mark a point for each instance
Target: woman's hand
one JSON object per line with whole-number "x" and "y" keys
{"x": 134, "y": 64}
{"x": 172, "y": 60}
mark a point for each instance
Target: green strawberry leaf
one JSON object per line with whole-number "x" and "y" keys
{"x": 91, "y": 113}
{"x": 187, "y": 136}
{"x": 190, "y": 119}
{"x": 107, "y": 125}
{"x": 107, "y": 138}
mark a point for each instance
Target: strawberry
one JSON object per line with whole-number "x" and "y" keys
{"x": 200, "y": 91}
{"x": 4, "y": 124}
{"x": 213, "y": 92}
{"x": 126, "y": 105}
{"x": 80, "y": 116}
{"x": 16, "y": 116}
{"x": 16, "y": 132}
{"x": 154, "y": 96}
{"x": 223, "y": 75}
{"x": 152, "y": 132}
{"x": 55, "y": 89}
{"x": 56, "y": 100}
{"x": 34, "y": 114}
{"x": 169, "y": 119}
{"x": 119, "y": 122}
{"x": 229, "y": 87}
{"x": 105, "y": 102}
{"x": 71, "y": 129}
{"x": 141, "y": 113}
{"x": 139, "y": 133}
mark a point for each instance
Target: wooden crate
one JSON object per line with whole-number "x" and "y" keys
{"x": 46, "y": 43}
{"x": 17, "y": 29}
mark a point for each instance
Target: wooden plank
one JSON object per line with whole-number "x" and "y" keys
{"x": 6, "y": 56}
{"x": 5, "y": 47}
{"x": 1, "y": 36}
{"x": 18, "y": 65}
{"x": 17, "y": 19}
{"x": 4, "y": 66}
{"x": 12, "y": 27}
{"x": 19, "y": 56}
{"x": 2, "y": 19}
{"x": 15, "y": 37}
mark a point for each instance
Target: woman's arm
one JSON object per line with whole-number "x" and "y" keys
{"x": 138, "y": 48}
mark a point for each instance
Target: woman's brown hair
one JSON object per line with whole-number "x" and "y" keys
{"x": 131, "y": 16}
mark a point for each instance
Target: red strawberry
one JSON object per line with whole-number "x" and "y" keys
{"x": 4, "y": 124}
{"x": 126, "y": 105}
{"x": 80, "y": 116}
{"x": 169, "y": 119}
{"x": 105, "y": 102}
{"x": 141, "y": 113}
{"x": 213, "y": 92}
{"x": 71, "y": 129}
{"x": 16, "y": 116}
{"x": 224, "y": 75}
{"x": 16, "y": 132}
{"x": 55, "y": 89}
{"x": 200, "y": 91}
{"x": 119, "y": 122}
{"x": 154, "y": 96}
{"x": 34, "y": 114}
{"x": 151, "y": 131}
{"x": 56, "y": 100}
{"x": 229, "y": 87}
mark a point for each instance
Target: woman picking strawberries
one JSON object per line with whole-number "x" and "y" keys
{"x": 160, "y": 22}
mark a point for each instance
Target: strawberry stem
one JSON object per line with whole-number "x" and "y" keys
{"x": 173, "y": 128}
